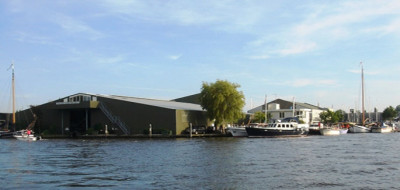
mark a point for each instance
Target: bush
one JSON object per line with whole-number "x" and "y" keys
{"x": 92, "y": 131}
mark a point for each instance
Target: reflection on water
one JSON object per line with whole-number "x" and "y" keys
{"x": 353, "y": 161}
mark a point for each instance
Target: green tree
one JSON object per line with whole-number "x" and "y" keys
{"x": 260, "y": 117}
{"x": 398, "y": 108}
{"x": 222, "y": 100}
{"x": 331, "y": 117}
{"x": 389, "y": 113}
{"x": 340, "y": 115}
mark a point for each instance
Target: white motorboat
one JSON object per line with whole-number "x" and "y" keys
{"x": 237, "y": 131}
{"x": 343, "y": 131}
{"x": 383, "y": 129}
{"x": 24, "y": 135}
{"x": 330, "y": 131}
{"x": 315, "y": 128}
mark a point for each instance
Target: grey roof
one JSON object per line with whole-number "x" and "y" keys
{"x": 286, "y": 105}
{"x": 152, "y": 102}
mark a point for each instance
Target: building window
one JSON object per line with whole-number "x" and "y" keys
{"x": 299, "y": 114}
{"x": 281, "y": 114}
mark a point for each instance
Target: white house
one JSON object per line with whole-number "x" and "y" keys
{"x": 280, "y": 109}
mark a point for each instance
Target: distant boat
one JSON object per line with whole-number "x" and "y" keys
{"x": 330, "y": 131}
{"x": 237, "y": 131}
{"x": 6, "y": 134}
{"x": 26, "y": 134}
{"x": 382, "y": 129}
{"x": 315, "y": 128}
{"x": 343, "y": 131}
{"x": 361, "y": 128}
{"x": 288, "y": 127}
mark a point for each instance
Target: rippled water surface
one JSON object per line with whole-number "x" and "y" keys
{"x": 352, "y": 161}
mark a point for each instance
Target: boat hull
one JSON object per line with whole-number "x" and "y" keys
{"x": 359, "y": 129}
{"x": 382, "y": 130}
{"x": 263, "y": 132}
{"x": 330, "y": 132}
{"x": 313, "y": 131}
{"x": 343, "y": 131}
{"x": 25, "y": 137}
{"x": 6, "y": 134}
{"x": 237, "y": 131}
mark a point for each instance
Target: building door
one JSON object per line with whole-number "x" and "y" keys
{"x": 78, "y": 121}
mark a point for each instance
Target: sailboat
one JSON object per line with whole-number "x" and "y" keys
{"x": 361, "y": 128}
{"x": 25, "y": 134}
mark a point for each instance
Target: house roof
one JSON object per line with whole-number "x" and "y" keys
{"x": 151, "y": 102}
{"x": 284, "y": 104}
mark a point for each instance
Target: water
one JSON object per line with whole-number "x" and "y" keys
{"x": 352, "y": 161}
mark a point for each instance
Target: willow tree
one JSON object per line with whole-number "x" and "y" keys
{"x": 222, "y": 101}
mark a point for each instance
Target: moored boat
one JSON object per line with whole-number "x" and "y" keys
{"x": 315, "y": 128}
{"x": 330, "y": 131}
{"x": 25, "y": 135}
{"x": 6, "y": 134}
{"x": 287, "y": 128}
{"x": 359, "y": 129}
{"x": 382, "y": 129}
{"x": 237, "y": 131}
{"x": 343, "y": 131}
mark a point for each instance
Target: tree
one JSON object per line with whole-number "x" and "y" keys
{"x": 398, "y": 108}
{"x": 260, "y": 116}
{"x": 340, "y": 115}
{"x": 389, "y": 113}
{"x": 331, "y": 117}
{"x": 222, "y": 100}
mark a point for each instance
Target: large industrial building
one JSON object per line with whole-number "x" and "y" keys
{"x": 79, "y": 113}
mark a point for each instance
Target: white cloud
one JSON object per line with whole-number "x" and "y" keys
{"x": 174, "y": 57}
{"x": 297, "y": 48}
{"x": 320, "y": 26}
{"x": 73, "y": 25}
{"x": 31, "y": 38}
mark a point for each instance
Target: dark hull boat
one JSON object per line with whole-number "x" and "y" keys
{"x": 267, "y": 132}
{"x": 287, "y": 128}
{"x": 6, "y": 134}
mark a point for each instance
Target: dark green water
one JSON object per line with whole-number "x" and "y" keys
{"x": 352, "y": 161}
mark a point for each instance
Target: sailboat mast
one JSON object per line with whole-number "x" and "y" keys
{"x": 294, "y": 106}
{"x": 13, "y": 94}
{"x": 362, "y": 94}
{"x": 266, "y": 109}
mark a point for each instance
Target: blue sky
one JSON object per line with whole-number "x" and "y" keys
{"x": 310, "y": 50}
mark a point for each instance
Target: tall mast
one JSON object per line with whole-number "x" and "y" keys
{"x": 362, "y": 94}
{"x": 13, "y": 94}
{"x": 293, "y": 108}
{"x": 266, "y": 109}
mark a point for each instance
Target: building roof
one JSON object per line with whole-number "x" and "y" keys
{"x": 194, "y": 99}
{"x": 284, "y": 104}
{"x": 152, "y": 102}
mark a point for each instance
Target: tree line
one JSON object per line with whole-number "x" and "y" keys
{"x": 224, "y": 103}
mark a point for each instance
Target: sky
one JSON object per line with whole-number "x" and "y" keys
{"x": 308, "y": 50}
